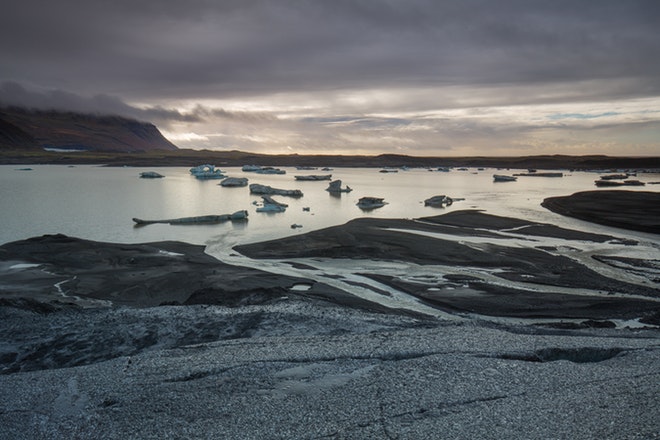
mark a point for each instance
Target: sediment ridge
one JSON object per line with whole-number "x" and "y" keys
{"x": 635, "y": 210}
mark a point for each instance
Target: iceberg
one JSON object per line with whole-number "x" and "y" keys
{"x": 270, "y": 170}
{"x": 315, "y": 177}
{"x": 335, "y": 187}
{"x": 504, "y": 178}
{"x": 439, "y": 201}
{"x": 207, "y": 171}
{"x": 371, "y": 203}
{"x": 256, "y": 188}
{"x": 150, "y": 175}
{"x": 203, "y": 219}
{"x": 271, "y": 205}
{"x": 233, "y": 182}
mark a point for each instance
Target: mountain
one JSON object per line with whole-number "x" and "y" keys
{"x": 14, "y": 137}
{"x": 38, "y": 129}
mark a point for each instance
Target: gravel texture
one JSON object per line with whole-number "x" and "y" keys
{"x": 357, "y": 376}
{"x": 387, "y": 329}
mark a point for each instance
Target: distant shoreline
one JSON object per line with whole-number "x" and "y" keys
{"x": 161, "y": 158}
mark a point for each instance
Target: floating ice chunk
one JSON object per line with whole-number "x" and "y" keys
{"x": 24, "y": 266}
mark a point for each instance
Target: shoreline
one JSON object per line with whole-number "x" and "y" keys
{"x": 483, "y": 275}
{"x": 490, "y": 279}
{"x": 634, "y": 210}
{"x": 190, "y": 346}
{"x": 191, "y": 158}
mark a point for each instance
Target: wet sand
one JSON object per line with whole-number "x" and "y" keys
{"x": 55, "y": 272}
{"x": 68, "y": 270}
{"x": 531, "y": 281}
{"x": 161, "y": 340}
{"x": 635, "y": 210}
{"x": 526, "y": 281}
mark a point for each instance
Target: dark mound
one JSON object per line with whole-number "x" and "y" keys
{"x": 139, "y": 275}
{"x": 634, "y": 210}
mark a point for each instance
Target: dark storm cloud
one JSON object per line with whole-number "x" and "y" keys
{"x": 204, "y": 49}
{"x": 375, "y": 75}
{"x": 14, "y": 94}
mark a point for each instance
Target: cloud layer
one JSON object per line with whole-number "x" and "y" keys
{"x": 420, "y": 77}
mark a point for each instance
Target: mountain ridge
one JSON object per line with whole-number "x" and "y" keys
{"x": 61, "y": 137}
{"x": 27, "y": 129}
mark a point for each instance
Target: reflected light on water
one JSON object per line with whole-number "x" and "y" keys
{"x": 98, "y": 203}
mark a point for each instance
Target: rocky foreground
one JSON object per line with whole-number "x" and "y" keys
{"x": 318, "y": 372}
{"x": 457, "y": 326}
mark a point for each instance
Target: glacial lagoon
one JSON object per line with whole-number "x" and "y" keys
{"x": 296, "y": 358}
{"x": 98, "y": 203}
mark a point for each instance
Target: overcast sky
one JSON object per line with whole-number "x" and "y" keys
{"x": 446, "y": 78}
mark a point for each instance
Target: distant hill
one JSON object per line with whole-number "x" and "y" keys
{"x": 37, "y": 136}
{"x": 22, "y": 129}
{"x": 14, "y": 137}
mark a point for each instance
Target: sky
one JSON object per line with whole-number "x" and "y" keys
{"x": 416, "y": 77}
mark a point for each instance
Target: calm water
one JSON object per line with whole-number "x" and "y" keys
{"x": 99, "y": 203}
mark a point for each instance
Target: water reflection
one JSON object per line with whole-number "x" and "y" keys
{"x": 99, "y": 203}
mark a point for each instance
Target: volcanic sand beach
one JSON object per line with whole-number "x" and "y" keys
{"x": 162, "y": 340}
{"x": 635, "y": 210}
{"x": 429, "y": 241}
{"x": 155, "y": 274}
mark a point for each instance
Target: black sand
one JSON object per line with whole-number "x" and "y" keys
{"x": 241, "y": 355}
{"x": 90, "y": 273}
{"x": 74, "y": 272}
{"x": 635, "y": 210}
